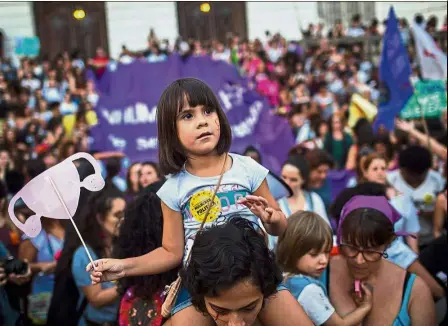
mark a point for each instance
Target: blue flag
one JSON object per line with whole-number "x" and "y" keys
{"x": 129, "y": 94}
{"x": 395, "y": 71}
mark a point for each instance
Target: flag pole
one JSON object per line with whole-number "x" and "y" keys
{"x": 71, "y": 219}
{"x": 422, "y": 119}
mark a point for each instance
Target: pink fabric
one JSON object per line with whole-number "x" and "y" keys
{"x": 252, "y": 66}
{"x": 268, "y": 88}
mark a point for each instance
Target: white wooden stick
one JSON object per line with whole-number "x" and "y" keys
{"x": 71, "y": 219}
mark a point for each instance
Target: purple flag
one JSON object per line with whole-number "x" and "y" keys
{"x": 129, "y": 94}
{"x": 395, "y": 72}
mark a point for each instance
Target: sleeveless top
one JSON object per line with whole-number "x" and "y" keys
{"x": 403, "y": 318}
{"x": 284, "y": 206}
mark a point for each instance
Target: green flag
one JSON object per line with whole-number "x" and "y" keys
{"x": 429, "y": 96}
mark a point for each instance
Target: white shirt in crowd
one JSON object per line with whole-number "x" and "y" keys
{"x": 33, "y": 84}
{"x": 355, "y": 32}
{"x": 423, "y": 197}
{"x": 224, "y": 56}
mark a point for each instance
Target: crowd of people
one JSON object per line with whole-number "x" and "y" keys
{"x": 270, "y": 264}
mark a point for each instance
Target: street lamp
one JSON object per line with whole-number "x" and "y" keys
{"x": 205, "y": 7}
{"x": 79, "y": 14}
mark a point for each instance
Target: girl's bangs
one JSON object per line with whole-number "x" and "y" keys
{"x": 323, "y": 240}
{"x": 195, "y": 93}
{"x": 319, "y": 238}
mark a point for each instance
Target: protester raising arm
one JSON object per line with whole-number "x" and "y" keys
{"x": 433, "y": 145}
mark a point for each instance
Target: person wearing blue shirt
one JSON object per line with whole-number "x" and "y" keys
{"x": 98, "y": 224}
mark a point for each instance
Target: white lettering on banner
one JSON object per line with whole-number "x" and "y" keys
{"x": 143, "y": 114}
{"x": 231, "y": 95}
{"x": 429, "y": 102}
{"x": 225, "y": 100}
{"x": 239, "y": 95}
{"x": 144, "y": 144}
{"x": 117, "y": 142}
{"x": 246, "y": 127}
{"x": 114, "y": 117}
{"x": 132, "y": 115}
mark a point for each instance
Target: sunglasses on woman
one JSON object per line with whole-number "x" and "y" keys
{"x": 369, "y": 255}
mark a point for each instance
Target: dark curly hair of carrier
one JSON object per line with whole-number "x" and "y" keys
{"x": 141, "y": 232}
{"x": 224, "y": 255}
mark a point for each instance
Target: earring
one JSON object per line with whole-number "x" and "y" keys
{"x": 385, "y": 255}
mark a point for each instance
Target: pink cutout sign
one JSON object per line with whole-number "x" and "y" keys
{"x": 55, "y": 194}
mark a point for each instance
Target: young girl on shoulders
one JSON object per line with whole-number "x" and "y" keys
{"x": 303, "y": 252}
{"x": 194, "y": 142}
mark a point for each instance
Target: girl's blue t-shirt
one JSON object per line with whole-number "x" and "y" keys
{"x": 101, "y": 315}
{"x": 190, "y": 194}
{"x": 312, "y": 296}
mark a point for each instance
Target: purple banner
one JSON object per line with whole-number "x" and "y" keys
{"x": 129, "y": 94}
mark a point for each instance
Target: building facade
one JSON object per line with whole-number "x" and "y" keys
{"x": 114, "y": 24}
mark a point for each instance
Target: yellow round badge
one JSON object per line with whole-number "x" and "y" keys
{"x": 199, "y": 203}
{"x": 428, "y": 198}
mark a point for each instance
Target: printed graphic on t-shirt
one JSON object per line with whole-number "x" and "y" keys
{"x": 223, "y": 207}
{"x": 199, "y": 205}
{"x": 426, "y": 204}
{"x": 225, "y": 203}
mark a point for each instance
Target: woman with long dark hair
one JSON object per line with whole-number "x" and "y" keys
{"x": 98, "y": 226}
{"x": 141, "y": 232}
{"x": 364, "y": 139}
{"x": 132, "y": 184}
{"x": 337, "y": 142}
{"x": 295, "y": 172}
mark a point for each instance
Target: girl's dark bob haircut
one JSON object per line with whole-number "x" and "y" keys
{"x": 183, "y": 92}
